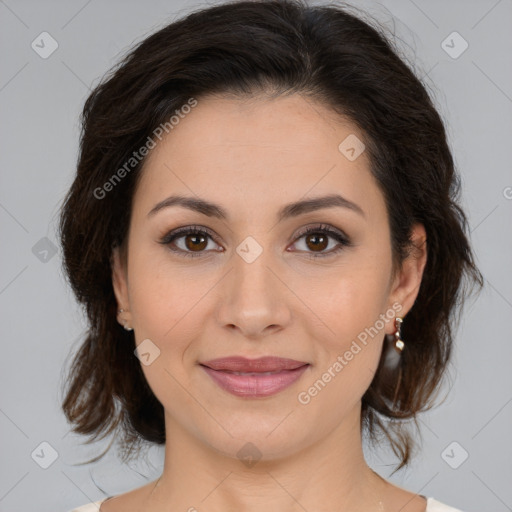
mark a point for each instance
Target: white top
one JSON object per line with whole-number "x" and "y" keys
{"x": 432, "y": 506}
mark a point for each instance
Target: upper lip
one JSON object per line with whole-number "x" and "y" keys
{"x": 261, "y": 364}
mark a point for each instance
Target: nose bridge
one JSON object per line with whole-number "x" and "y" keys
{"x": 253, "y": 297}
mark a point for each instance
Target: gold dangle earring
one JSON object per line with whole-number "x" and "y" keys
{"x": 399, "y": 346}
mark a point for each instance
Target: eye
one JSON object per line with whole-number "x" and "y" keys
{"x": 194, "y": 243}
{"x": 317, "y": 238}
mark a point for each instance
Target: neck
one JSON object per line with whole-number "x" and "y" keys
{"x": 329, "y": 475}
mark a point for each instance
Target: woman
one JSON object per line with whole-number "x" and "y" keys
{"x": 265, "y": 235}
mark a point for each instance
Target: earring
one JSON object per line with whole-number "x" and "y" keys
{"x": 125, "y": 325}
{"x": 399, "y": 342}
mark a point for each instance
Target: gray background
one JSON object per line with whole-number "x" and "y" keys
{"x": 40, "y": 100}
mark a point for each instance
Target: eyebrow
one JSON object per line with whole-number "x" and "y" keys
{"x": 290, "y": 210}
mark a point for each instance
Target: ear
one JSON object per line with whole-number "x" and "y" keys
{"x": 406, "y": 284}
{"x": 119, "y": 278}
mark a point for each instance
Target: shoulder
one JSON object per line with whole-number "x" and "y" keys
{"x": 90, "y": 507}
{"x": 130, "y": 501}
{"x": 436, "y": 506}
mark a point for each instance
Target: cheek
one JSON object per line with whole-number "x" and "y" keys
{"x": 349, "y": 299}
{"x": 348, "y": 353}
{"x": 162, "y": 296}
{"x": 352, "y": 307}
{"x": 163, "y": 312}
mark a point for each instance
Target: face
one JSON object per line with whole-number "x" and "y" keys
{"x": 251, "y": 283}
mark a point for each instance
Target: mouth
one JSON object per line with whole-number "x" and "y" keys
{"x": 268, "y": 364}
{"x": 253, "y": 378}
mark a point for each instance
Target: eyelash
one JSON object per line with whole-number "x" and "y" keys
{"x": 342, "y": 239}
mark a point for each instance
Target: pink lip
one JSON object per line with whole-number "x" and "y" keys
{"x": 255, "y": 381}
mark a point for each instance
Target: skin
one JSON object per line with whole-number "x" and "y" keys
{"x": 252, "y": 157}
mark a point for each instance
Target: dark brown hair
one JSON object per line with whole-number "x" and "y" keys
{"x": 276, "y": 47}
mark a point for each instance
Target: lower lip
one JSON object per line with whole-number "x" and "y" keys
{"x": 254, "y": 386}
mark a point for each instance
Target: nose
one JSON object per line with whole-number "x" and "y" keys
{"x": 254, "y": 298}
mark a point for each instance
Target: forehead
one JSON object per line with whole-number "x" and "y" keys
{"x": 255, "y": 152}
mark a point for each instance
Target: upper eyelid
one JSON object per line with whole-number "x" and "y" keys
{"x": 322, "y": 227}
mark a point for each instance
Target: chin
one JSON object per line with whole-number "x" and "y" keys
{"x": 256, "y": 443}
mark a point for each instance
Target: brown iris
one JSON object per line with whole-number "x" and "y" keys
{"x": 197, "y": 243}
{"x": 318, "y": 245}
